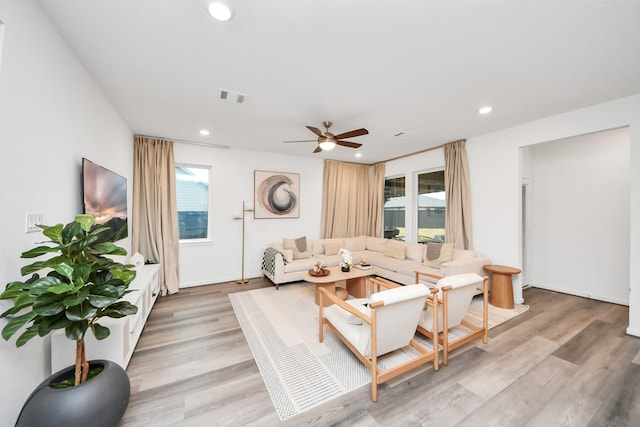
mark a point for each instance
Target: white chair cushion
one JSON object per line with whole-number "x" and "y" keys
{"x": 458, "y": 299}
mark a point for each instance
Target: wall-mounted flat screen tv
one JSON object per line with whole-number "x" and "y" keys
{"x": 104, "y": 195}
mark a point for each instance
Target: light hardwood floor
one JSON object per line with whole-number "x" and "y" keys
{"x": 565, "y": 362}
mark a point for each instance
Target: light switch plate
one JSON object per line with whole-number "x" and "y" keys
{"x": 33, "y": 219}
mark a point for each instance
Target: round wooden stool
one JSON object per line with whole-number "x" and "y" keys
{"x": 501, "y": 293}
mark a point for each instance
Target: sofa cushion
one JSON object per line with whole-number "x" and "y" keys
{"x": 376, "y": 244}
{"x": 415, "y": 251}
{"x": 299, "y": 247}
{"x": 388, "y": 263}
{"x": 305, "y": 264}
{"x": 463, "y": 254}
{"x": 356, "y": 243}
{"x": 288, "y": 255}
{"x": 395, "y": 249}
{"x": 331, "y": 247}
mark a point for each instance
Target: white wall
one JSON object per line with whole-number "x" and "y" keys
{"x": 495, "y": 181}
{"x": 495, "y": 176}
{"x": 580, "y": 212}
{"x": 51, "y": 115}
{"x": 232, "y": 182}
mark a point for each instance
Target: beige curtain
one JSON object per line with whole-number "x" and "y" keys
{"x": 352, "y": 199}
{"x": 458, "y": 205}
{"x": 155, "y": 212}
{"x": 376, "y": 199}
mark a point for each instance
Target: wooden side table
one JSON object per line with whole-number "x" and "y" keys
{"x": 501, "y": 294}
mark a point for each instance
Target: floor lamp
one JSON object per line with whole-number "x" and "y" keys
{"x": 242, "y": 280}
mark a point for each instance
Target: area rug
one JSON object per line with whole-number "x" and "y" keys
{"x": 281, "y": 328}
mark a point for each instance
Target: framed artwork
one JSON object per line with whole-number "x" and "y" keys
{"x": 276, "y": 195}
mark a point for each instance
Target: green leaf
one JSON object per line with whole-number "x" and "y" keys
{"x": 99, "y": 331}
{"x": 42, "y": 285}
{"x": 86, "y": 221}
{"x": 31, "y": 332}
{"x": 81, "y": 271}
{"x": 23, "y": 300}
{"x": 14, "y": 289}
{"x": 82, "y": 311}
{"x": 49, "y": 324}
{"x": 100, "y": 301}
{"x": 40, "y": 250}
{"x": 126, "y": 276}
{"x": 16, "y": 323}
{"x": 32, "y": 268}
{"x": 106, "y": 290}
{"x": 61, "y": 288}
{"x": 76, "y": 330}
{"x": 53, "y": 232}
{"x": 64, "y": 269}
{"x": 76, "y": 298}
{"x": 70, "y": 231}
{"x": 48, "y": 305}
{"x": 120, "y": 309}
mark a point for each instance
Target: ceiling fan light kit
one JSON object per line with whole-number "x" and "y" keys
{"x": 327, "y": 141}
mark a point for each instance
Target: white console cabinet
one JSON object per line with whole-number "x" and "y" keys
{"x": 119, "y": 345}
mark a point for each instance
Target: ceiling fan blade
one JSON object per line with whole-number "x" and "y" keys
{"x": 303, "y": 140}
{"x": 351, "y": 134}
{"x": 317, "y": 150}
{"x": 348, "y": 144}
{"x": 315, "y": 130}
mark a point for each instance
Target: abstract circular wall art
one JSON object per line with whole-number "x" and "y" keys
{"x": 277, "y": 195}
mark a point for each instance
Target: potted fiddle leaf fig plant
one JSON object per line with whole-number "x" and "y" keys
{"x": 81, "y": 285}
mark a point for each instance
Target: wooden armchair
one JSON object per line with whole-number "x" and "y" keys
{"x": 454, "y": 295}
{"x": 386, "y": 323}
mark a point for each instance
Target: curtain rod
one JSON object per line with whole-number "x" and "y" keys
{"x": 424, "y": 151}
{"x": 185, "y": 141}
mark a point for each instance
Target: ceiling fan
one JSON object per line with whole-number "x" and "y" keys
{"x": 327, "y": 141}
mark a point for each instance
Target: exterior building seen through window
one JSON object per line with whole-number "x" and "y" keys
{"x": 431, "y": 207}
{"x": 394, "y": 208}
{"x": 192, "y": 196}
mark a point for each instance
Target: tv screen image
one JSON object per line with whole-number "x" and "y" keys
{"x": 104, "y": 195}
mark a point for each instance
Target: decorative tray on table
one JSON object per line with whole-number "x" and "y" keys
{"x": 324, "y": 272}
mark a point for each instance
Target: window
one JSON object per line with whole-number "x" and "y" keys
{"x": 192, "y": 195}
{"x": 394, "y": 208}
{"x": 431, "y": 207}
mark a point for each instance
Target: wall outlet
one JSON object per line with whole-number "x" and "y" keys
{"x": 33, "y": 219}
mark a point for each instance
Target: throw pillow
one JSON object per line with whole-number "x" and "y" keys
{"x": 298, "y": 246}
{"x": 288, "y": 255}
{"x": 446, "y": 255}
{"x": 433, "y": 251}
{"x": 415, "y": 251}
{"x": 362, "y": 307}
{"x": 395, "y": 249}
{"x": 356, "y": 243}
{"x": 376, "y": 244}
{"x": 332, "y": 247}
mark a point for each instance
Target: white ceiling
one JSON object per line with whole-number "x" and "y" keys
{"x": 418, "y": 67}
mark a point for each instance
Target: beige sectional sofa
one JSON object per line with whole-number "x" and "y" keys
{"x": 394, "y": 260}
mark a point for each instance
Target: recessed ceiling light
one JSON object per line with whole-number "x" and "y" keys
{"x": 358, "y": 154}
{"x": 485, "y": 110}
{"x": 220, "y": 11}
{"x": 204, "y": 132}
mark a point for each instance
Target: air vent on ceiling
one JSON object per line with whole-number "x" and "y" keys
{"x": 239, "y": 98}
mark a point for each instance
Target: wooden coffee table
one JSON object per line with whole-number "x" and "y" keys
{"x": 355, "y": 281}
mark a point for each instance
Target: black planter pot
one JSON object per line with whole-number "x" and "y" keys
{"x": 100, "y": 402}
{"x": 345, "y": 269}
